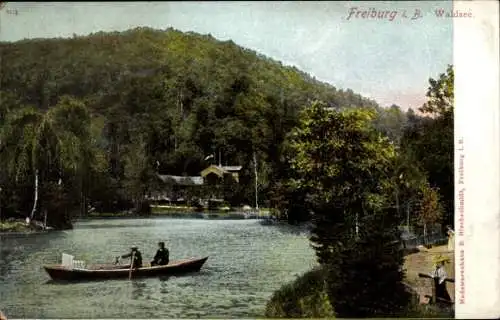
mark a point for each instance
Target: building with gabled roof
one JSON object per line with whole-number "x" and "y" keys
{"x": 220, "y": 172}
{"x": 206, "y": 186}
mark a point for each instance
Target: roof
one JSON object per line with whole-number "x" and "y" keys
{"x": 230, "y": 168}
{"x": 220, "y": 170}
{"x": 182, "y": 180}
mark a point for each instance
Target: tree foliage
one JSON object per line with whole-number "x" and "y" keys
{"x": 185, "y": 95}
{"x": 429, "y": 210}
{"x": 47, "y": 146}
{"x": 346, "y": 170}
{"x": 428, "y": 142}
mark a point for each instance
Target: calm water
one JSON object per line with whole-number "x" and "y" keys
{"x": 247, "y": 263}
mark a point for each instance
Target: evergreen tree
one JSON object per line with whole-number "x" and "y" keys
{"x": 346, "y": 170}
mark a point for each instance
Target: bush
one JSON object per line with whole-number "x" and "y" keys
{"x": 14, "y": 226}
{"x": 365, "y": 275}
{"x": 423, "y": 311}
{"x": 306, "y": 297}
{"x": 213, "y": 205}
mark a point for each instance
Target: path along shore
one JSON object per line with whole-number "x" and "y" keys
{"x": 422, "y": 262}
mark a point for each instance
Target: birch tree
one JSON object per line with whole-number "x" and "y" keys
{"x": 43, "y": 146}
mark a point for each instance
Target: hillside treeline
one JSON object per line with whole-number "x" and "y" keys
{"x": 90, "y": 121}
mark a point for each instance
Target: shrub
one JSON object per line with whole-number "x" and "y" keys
{"x": 306, "y": 297}
{"x": 365, "y": 277}
{"x": 14, "y": 226}
{"x": 422, "y": 311}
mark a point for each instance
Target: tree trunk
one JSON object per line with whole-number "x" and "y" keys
{"x": 45, "y": 220}
{"x": 356, "y": 225}
{"x": 82, "y": 203}
{"x": 425, "y": 234}
{"x": 35, "y": 201}
{"x": 84, "y": 192}
{"x": 397, "y": 204}
{"x": 408, "y": 216}
{"x": 256, "y": 183}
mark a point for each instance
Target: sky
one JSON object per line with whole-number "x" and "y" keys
{"x": 389, "y": 59}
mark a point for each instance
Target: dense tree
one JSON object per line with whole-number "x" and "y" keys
{"x": 346, "y": 169}
{"x": 429, "y": 141}
{"x": 429, "y": 209}
{"x": 392, "y": 122}
{"x": 45, "y": 146}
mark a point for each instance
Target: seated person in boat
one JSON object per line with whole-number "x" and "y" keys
{"x": 162, "y": 255}
{"x": 134, "y": 252}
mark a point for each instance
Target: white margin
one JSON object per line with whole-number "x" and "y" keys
{"x": 477, "y": 192}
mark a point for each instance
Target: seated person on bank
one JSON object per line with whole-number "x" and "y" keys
{"x": 161, "y": 256}
{"x": 137, "y": 256}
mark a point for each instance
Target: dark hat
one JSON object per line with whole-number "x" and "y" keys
{"x": 161, "y": 243}
{"x": 133, "y": 247}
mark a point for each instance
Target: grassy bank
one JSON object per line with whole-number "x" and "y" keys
{"x": 15, "y": 226}
{"x": 306, "y": 297}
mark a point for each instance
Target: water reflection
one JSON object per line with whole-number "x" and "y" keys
{"x": 138, "y": 289}
{"x": 164, "y": 278}
{"x": 301, "y": 230}
{"x": 5, "y": 264}
{"x": 119, "y": 226}
{"x": 247, "y": 263}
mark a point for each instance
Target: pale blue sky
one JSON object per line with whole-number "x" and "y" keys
{"x": 389, "y": 61}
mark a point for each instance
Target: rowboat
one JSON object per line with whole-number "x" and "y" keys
{"x": 103, "y": 272}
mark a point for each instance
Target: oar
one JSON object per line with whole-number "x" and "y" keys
{"x": 131, "y": 266}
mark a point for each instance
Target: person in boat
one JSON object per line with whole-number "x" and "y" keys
{"x": 439, "y": 275}
{"x": 136, "y": 254}
{"x": 161, "y": 257}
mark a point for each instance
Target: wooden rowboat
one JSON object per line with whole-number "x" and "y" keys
{"x": 103, "y": 272}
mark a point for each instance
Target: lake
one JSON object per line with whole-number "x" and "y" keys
{"x": 247, "y": 263}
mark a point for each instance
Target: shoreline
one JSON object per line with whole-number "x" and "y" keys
{"x": 18, "y": 227}
{"x": 171, "y": 215}
{"x": 23, "y": 233}
{"x": 184, "y": 212}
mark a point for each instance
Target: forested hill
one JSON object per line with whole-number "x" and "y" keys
{"x": 174, "y": 97}
{"x": 102, "y": 63}
{"x": 224, "y": 92}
